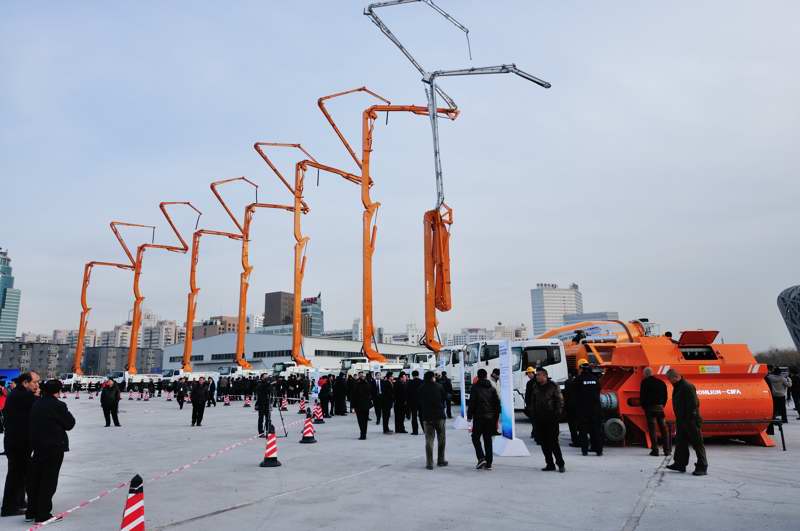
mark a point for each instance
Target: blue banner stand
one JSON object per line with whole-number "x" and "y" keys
{"x": 507, "y": 444}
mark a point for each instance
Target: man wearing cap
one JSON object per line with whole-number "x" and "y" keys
{"x": 546, "y": 404}
{"x": 109, "y": 402}
{"x": 589, "y": 411}
{"x": 530, "y": 372}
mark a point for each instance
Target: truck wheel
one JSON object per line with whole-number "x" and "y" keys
{"x": 614, "y": 430}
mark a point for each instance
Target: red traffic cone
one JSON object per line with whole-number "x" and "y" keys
{"x": 284, "y": 404}
{"x": 227, "y": 400}
{"x": 133, "y": 515}
{"x": 308, "y": 431}
{"x": 318, "y": 415}
{"x": 271, "y": 451}
{"x": 147, "y": 396}
{"x": 246, "y": 401}
{"x": 302, "y": 410}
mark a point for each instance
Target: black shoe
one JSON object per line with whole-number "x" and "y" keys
{"x": 584, "y": 452}
{"x": 107, "y": 425}
{"x": 441, "y": 463}
{"x": 192, "y": 424}
{"x": 362, "y": 438}
{"x": 700, "y": 472}
{"x": 561, "y": 469}
{"x": 29, "y": 518}
{"x": 599, "y": 453}
{"x": 654, "y": 452}
{"x": 262, "y": 435}
{"x": 676, "y": 467}
{"x": 574, "y": 445}
{"x": 414, "y": 433}
{"x": 481, "y": 464}
{"x": 488, "y": 466}
{"x": 388, "y": 432}
{"x": 429, "y": 467}
{"x": 549, "y": 468}
{"x": 57, "y": 518}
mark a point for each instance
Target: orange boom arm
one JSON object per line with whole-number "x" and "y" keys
{"x": 87, "y": 273}
{"x": 136, "y": 322}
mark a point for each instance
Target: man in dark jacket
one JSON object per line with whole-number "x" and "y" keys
{"x": 546, "y": 405}
{"x": 17, "y": 440}
{"x": 653, "y": 397}
{"x": 50, "y": 422}
{"x": 431, "y": 398}
{"x": 445, "y": 382}
{"x": 109, "y": 401}
{"x": 340, "y": 395}
{"x": 180, "y": 392}
{"x": 688, "y": 425}
{"x": 263, "y": 397}
{"x": 361, "y": 401}
{"x": 412, "y": 393}
{"x": 400, "y": 403}
{"x": 484, "y": 411}
{"x": 530, "y": 385}
{"x": 374, "y": 383}
{"x": 386, "y": 397}
{"x": 325, "y": 395}
{"x": 590, "y": 416}
{"x": 199, "y": 399}
{"x": 212, "y": 394}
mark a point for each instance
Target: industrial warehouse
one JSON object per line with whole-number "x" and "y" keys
{"x": 203, "y": 173}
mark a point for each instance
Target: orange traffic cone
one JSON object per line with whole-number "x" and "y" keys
{"x": 271, "y": 451}
{"x": 308, "y": 431}
{"x": 318, "y": 415}
{"x": 302, "y": 410}
{"x": 133, "y": 515}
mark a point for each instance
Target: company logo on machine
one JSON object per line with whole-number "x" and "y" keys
{"x": 708, "y": 369}
{"x": 718, "y": 392}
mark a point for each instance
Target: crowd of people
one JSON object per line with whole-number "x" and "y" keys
{"x": 35, "y": 439}
{"x": 35, "y": 422}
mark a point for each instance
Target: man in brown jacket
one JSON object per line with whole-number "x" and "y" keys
{"x": 688, "y": 425}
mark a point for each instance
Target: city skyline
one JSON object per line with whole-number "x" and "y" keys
{"x": 669, "y": 204}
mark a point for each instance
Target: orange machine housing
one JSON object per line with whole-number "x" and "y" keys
{"x": 730, "y": 384}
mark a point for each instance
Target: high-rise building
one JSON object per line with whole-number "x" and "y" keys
{"x": 469, "y": 335}
{"x": 219, "y": 324}
{"x": 59, "y": 337}
{"x": 32, "y": 337}
{"x": 572, "y": 318}
{"x": 254, "y": 321}
{"x": 163, "y": 334}
{"x": 278, "y": 308}
{"x": 549, "y": 304}
{"x": 9, "y": 300}
{"x": 313, "y": 323}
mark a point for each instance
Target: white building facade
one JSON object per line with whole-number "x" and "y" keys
{"x": 549, "y": 304}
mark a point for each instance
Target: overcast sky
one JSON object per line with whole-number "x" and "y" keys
{"x": 659, "y": 172}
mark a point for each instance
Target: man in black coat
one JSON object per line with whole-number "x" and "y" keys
{"x": 445, "y": 382}
{"x": 412, "y": 392}
{"x": 400, "y": 403}
{"x": 17, "y": 440}
{"x": 590, "y": 415}
{"x": 483, "y": 410}
{"x": 688, "y": 424}
{"x": 376, "y": 400}
{"x": 431, "y": 398}
{"x": 264, "y": 393}
{"x": 340, "y": 395}
{"x": 361, "y": 400}
{"x": 180, "y": 392}
{"x": 653, "y": 398}
{"x": 386, "y": 397}
{"x": 212, "y": 394}
{"x": 50, "y": 422}
{"x": 109, "y": 401}
{"x": 546, "y": 405}
{"x": 199, "y": 399}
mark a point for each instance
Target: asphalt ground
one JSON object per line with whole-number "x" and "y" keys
{"x": 208, "y": 478}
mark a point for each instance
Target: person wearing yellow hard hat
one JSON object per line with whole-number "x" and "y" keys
{"x": 531, "y": 373}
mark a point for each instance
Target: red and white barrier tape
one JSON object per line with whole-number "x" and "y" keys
{"x": 160, "y": 476}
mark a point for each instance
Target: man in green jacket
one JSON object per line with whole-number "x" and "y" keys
{"x": 688, "y": 424}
